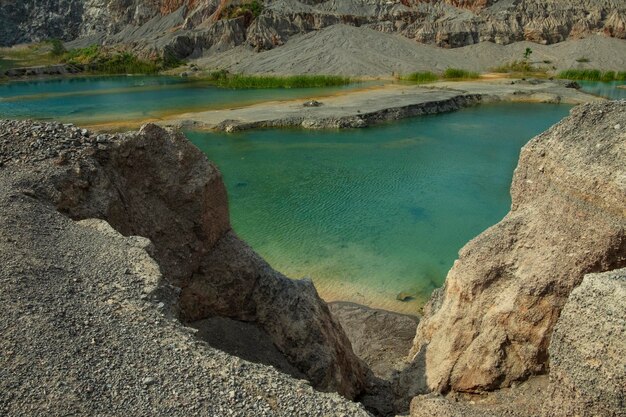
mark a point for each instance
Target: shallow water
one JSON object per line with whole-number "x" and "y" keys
{"x": 370, "y": 213}
{"x": 93, "y": 100}
{"x": 608, "y": 90}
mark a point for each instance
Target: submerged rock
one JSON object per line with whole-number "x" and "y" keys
{"x": 405, "y": 296}
{"x": 492, "y": 322}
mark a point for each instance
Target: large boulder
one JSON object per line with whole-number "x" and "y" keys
{"x": 492, "y": 322}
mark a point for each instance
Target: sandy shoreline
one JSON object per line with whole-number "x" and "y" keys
{"x": 393, "y": 102}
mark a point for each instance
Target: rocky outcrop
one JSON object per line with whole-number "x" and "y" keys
{"x": 84, "y": 330}
{"x": 492, "y": 322}
{"x": 155, "y": 184}
{"x": 588, "y": 350}
{"x": 191, "y": 28}
{"x": 587, "y": 365}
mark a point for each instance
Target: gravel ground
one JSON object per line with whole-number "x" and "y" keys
{"x": 84, "y": 328}
{"x": 359, "y": 51}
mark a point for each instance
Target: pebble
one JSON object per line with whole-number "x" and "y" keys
{"x": 149, "y": 381}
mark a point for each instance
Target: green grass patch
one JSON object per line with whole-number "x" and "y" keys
{"x": 251, "y": 9}
{"x": 420, "y": 77}
{"x": 592, "y": 75}
{"x": 227, "y": 80}
{"x": 100, "y": 60}
{"x": 94, "y": 58}
{"x": 459, "y": 74}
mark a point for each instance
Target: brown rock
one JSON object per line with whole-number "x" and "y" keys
{"x": 492, "y": 322}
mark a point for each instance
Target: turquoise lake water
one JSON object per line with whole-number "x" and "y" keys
{"x": 608, "y": 90}
{"x": 93, "y": 100}
{"x": 370, "y": 213}
{"x": 366, "y": 214}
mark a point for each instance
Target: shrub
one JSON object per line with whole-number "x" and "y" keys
{"x": 527, "y": 53}
{"x": 420, "y": 77}
{"x": 583, "y": 59}
{"x": 251, "y": 8}
{"x": 459, "y": 74}
{"x": 100, "y": 60}
{"x": 57, "y": 47}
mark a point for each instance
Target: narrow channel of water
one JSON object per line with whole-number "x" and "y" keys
{"x": 610, "y": 90}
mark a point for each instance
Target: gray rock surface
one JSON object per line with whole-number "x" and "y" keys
{"x": 492, "y": 322}
{"x": 588, "y": 350}
{"x": 370, "y": 106}
{"x": 381, "y": 338}
{"x": 155, "y": 184}
{"x": 188, "y": 28}
{"x": 83, "y": 331}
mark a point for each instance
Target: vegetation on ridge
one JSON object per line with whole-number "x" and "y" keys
{"x": 101, "y": 60}
{"x": 94, "y": 58}
{"x": 251, "y": 9}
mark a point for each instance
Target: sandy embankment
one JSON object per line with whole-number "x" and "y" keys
{"x": 359, "y": 51}
{"x": 392, "y": 102}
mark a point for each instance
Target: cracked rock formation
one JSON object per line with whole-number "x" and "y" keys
{"x": 492, "y": 322}
{"x": 194, "y": 28}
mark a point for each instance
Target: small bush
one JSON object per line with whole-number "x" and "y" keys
{"x": 250, "y": 8}
{"x": 583, "y": 59}
{"x": 527, "y": 53}
{"x": 57, "y": 47}
{"x": 220, "y": 75}
{"x": 420, "y": 77}
{"x": 82, "y": 55}
{"x": 459, "y": 74}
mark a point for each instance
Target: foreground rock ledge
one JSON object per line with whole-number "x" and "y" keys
{"x": 492, "y": 322}
{"x": 587, "y": 364}
{"x": 80, "y": 330}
